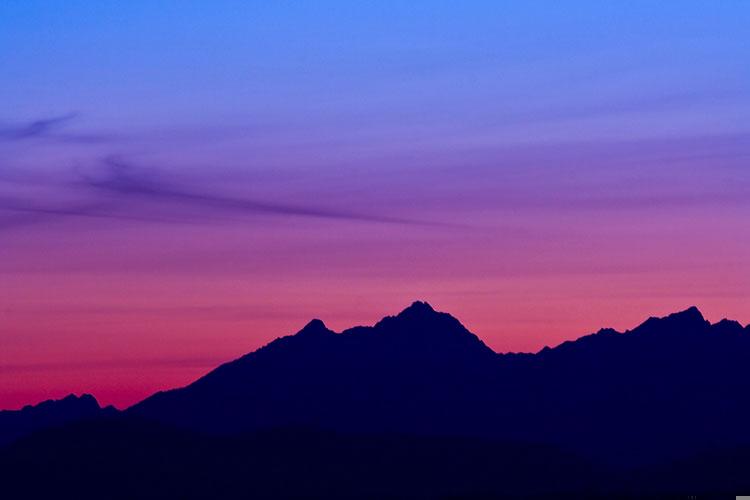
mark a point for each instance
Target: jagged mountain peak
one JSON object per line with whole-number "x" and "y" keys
{"x": 419, "y": 314}
{"x": 728, "y": 326}
{"x": 690, "y": 320}
{"x": 418, "y": 307}
{"x": 314, "y": 326}
{"x": 691, "y": 315}
{"x": 49, "y": 413}
{"x": 71, "y": 400}
{"x": 421, "y": 330}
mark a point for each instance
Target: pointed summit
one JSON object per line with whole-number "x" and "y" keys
{"x": 420, "y": 314}
{"x": 417, "y": 308}
{"x": 315, "y": 326}
{"x": 691, "y": 314}
{"x": 421, "y": 329}
{"x": 688, "y": 321}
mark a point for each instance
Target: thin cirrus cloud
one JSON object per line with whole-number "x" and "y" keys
{"x": 24, "y": 212}
{"x": 51, "y": 129}
{"x": 36, "y": 128}
{"x": 125, "y": 180}
{"x": 122, "y": 190}
{"x": 57, "y": 129}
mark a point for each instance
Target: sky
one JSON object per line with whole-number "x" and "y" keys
{"x": 182, "y": 182}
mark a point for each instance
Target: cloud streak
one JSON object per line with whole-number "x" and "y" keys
{"x": 125, "y": 180}
{"x": 52, "y": 128}
{"x": 26, "y": 212}
{"x": 124, "y": 191}
{"x": 36, "y": 128}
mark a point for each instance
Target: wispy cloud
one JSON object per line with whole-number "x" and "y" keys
{"x": 35, "y": 128}
{"x": 120, "y": 190}
{"x": 25, "y": 212}
{"x": 125, "y": 180}
{"x": 52, "y": 128}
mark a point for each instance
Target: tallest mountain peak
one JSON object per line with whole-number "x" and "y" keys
{"x": 417, "y": 307}
{"x": 421, "y": 329}
{"x": 315, "y": 326}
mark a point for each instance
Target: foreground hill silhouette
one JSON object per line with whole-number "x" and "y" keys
{"x": 128, "y": 458}
{"x": 417, "y": 404}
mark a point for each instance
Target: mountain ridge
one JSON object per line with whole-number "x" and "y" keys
{"x": 49, "y": 413}
{"x": 422, "y": 372}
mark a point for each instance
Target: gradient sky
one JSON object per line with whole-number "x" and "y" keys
{"x": 181, "y": 182}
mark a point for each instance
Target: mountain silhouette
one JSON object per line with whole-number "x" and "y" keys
{"x": 387, "y": 377}
{"x": 634, "y": 410}
{"x": 668, "y": 387}
{"x": 51, "y": 413}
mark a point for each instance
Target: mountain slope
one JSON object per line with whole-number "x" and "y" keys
{"x": 378, "y": 378}
{"x": 415, "y": 406}
{"x": 669, "y": 387}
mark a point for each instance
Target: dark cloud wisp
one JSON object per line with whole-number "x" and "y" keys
{"x": 127, "y": 181}
{"x": 123, "y": 191}
{"x": 51, "y": 129}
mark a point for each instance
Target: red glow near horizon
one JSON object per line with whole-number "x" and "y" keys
{"x": 126, "y": 355}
